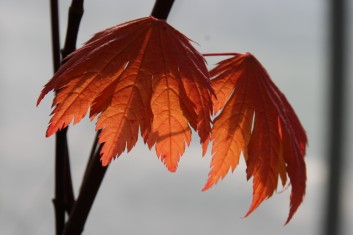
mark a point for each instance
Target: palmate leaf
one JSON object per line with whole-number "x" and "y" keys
{"x": 257, "y": 120}
{"x": 142, "y": 75}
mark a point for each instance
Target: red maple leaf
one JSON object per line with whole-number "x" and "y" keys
{"x": 258, "y": 121}
{"x": 142, "y": 75}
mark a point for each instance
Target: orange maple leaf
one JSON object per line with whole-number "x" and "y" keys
{"x": 141, "y": 75}
{"x": 258, "y": 121}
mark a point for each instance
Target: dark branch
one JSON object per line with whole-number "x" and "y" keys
{"x": 162, "y": 8}
{"x": 75, "y": 16}
{"x": 62, "y": 168}
{"x": 64, "y": 196}
{"x": 92, "y": 154}
{"x": 54, "y": 17}
{"x": 89, "y": 189}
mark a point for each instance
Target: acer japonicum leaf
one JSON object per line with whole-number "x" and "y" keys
{"x": 141, "y": 76}
{"x": 256, "y": 120}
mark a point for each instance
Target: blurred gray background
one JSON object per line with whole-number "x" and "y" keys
{"x": 138, "y": 194}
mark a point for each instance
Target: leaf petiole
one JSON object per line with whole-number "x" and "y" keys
{"x": 222, "y": 54}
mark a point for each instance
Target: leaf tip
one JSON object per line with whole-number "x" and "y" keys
{"x": 206, "y": 187}
{"x": 172, "y": 167}
{"x": 104, "y": 163}
{"x": 205, "y": 146}
{"x": 248, "y": 54}
{"x": 291, "y": 214}
{"x": 105, "y": 160}
{"x": 50, "y": 131}
{"x": 212, "y": 180}
{"x": 39, "y": 100}
{"x": 250, "y": 210}
{"x": 41, "y": 96}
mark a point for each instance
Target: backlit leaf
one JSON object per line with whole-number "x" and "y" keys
{"x": 256, "y": 120}
{"x": 139, "y": 76}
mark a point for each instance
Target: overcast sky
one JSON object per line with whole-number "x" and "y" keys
{"x": 138, "y": 194}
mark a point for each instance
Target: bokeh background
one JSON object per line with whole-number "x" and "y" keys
{"x": 138, "y": 194}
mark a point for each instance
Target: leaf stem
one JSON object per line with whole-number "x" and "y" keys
{"x": 221, "y": 54}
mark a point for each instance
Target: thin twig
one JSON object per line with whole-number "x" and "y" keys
{"x": 64, "y": 197}
{"x": 69, "y": 197}
{"x": 88, "y": 192}
{"x": 75, "y": 16}
{"x": 54, "y": 17}
{"x": 61, "y": 153}
{"x": 61, "y": 149}
{"x": 91, "y": 156}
